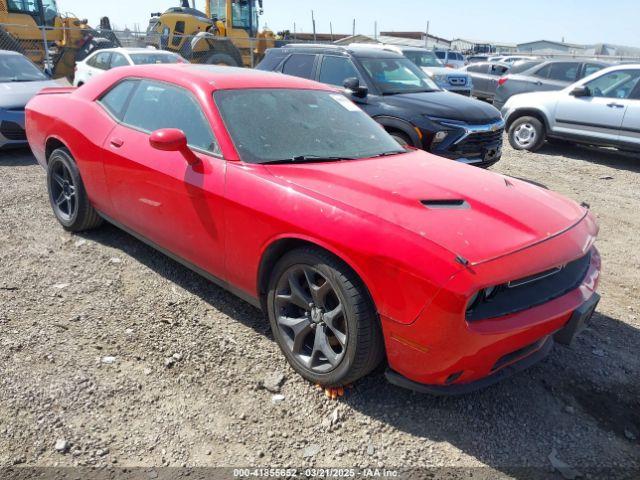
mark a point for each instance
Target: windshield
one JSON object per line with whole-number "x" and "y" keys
{"x": 153, "y": 58}
{"x": 423, "y": 59}
{"x": 393, "y": 76}
{"x": 16, "y": 68}
{"x": 271, "y": 125}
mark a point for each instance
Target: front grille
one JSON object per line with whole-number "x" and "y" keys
{"x": 523, "y": 294}
{"x": 478, "y": 143}
{"x": 12, "y": 131}
{"x": 457, "y": 81}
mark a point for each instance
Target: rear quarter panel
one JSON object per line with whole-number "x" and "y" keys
{"x": 81, "y": 126}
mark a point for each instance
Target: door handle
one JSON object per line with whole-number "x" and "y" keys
{"x": 614, "y": 105}
{"x": 538, "y": 83}
{"x": 116, "y": 142}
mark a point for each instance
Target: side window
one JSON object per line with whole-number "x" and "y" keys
{"x": 299, "y": 65}
{"x": 591, "y": 68}
{"x": 477, "y": 68}
{"x": 563, "y": 72}
{"x": 178, "y": 32}
{"x": 115, "y": 100}
{"x": 619, "y": 84}
{"x": 441, "y": 55}
{"x": 157, "y": 105}
{"x": 543, "y": 72}
{"x": 103, "y": 60}
{"x": 118, "y": 60}
{"x": 499, "y": 70}
{"x": 335, "y": 70}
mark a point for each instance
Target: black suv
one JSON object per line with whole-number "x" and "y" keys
{"x": 401, "y": 97}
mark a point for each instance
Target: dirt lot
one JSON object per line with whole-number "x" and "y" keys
{"x": 183, "y": 386}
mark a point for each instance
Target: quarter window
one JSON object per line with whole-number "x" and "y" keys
{"x": 299, "y": 65}
{"x": 115, "y": 101}
{"x": 102, "y": 60}
{"x": 156, "y": 105}
{"x": 335, "y": 70}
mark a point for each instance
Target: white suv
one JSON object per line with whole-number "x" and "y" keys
{"x": 102, "y": 60}
{"x": 602, "y": 109}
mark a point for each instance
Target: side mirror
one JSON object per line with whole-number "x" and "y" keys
{"x": 172, "y": 140}
{"x": 582, "y": 91}
{"x": 353, "y": 85}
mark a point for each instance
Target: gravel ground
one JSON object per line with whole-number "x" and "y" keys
{"x": 112, "y": 354}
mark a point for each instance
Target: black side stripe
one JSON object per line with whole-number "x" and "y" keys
{"x": 596, "y": 125}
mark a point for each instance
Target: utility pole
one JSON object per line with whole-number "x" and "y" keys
{"x": 295, "y": 37}
{"x": 331, "y": 30}
{"x": 313, "y": 21}
{"x": 375, "y": 30}
{"x": 426, "y": 38}
{"x": 354, "y": 27}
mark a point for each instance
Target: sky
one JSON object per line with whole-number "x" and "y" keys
{"x": 575, "y": 21}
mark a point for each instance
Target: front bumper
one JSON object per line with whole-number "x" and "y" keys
{"x": 511, "y": 363}
{"x": 479, "y": 145}
{"x": 441, "y": 347}
{"x": 12, "y": 130}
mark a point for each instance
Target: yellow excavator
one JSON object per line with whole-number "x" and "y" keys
{"x": 55, "y": 42}
{"x": 220, "y": 35}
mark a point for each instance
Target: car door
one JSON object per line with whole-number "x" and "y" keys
{"x": 161, "y": 197}
{"x": 630, "y": 131}
{"x": 479, "y": 76}
{"x": 599, "y": 115}
{"x": 555, "y": 76}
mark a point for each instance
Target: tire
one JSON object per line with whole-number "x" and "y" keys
{"x": 527, "y": 133}
{"x": 222, "y": 59}
{"x": 339, "y": 318}
{"x": 401, "y": 138}
{"x": 67, "y": 194}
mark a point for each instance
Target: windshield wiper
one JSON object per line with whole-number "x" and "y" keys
{"x": 388, "y": 154}
{"x": 307, "y": 159}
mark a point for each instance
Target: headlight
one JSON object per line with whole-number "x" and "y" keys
{"x": 440, "y": 136}
{"x": 481, "y": 296}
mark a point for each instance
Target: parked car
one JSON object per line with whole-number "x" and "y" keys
{"x": 102, "y": 60}
{"x": 20, "y": 80}
{"x": 401, "y": 97}
{"x": 540, "y": 76}
{"x": 510, "y": 59}
{"x": 285, "y": 192}
{"x": 451, "y": 59}
{"x": 485, "y": 77}
{"x": 478, "y": 58}
{"x": 455, "y": 81}
{"x": 602, "y": 109}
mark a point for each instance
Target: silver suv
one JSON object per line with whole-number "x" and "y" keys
{"x": 602, "y": 109}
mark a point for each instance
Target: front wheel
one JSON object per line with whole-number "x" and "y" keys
{"x": 67, "y": 194}
{"x": 323, "y": 318}
{"x": 527, "y": 133}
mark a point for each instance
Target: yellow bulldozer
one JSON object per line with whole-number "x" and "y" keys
{"x": 55, "y": 42}
{"x": 227, "y": 32}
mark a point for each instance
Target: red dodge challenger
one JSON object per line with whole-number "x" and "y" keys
{"x": 284, "y": 192}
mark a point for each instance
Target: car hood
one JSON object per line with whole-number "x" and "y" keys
{"x": 471, "y": 212}
{"x": 446, "y": 105}
{"x": 18, "y": 94}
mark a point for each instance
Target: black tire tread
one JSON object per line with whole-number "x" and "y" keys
{"x": 370, "y": 344}
{"x": 87, "y": 218}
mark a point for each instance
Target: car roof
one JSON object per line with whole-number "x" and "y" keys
{"x": 204, "y": 77}
{"x": 360, "y": 51}
{"x": 133, "y": 50}
{"x": 8, "y": 53}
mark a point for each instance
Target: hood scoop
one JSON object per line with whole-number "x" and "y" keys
{"x": 446, "y": 204}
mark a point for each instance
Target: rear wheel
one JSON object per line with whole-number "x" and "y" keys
{"x": 323, "y": 318}
{"x": 527, "y": 133}
{"x": 67, "y": 194}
